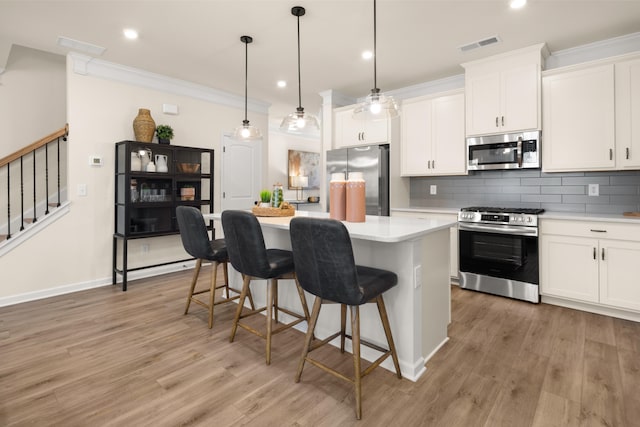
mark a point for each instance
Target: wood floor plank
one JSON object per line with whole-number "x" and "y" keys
{"x": 104, "y": 357}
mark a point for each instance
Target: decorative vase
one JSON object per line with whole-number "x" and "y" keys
{"x": 143, "y": 126}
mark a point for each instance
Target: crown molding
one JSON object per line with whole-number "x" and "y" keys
{"x": 593, "y": 51}
{"x": 89, "y": 66}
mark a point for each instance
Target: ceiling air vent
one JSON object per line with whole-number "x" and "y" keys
{"x": 480, "y": 43}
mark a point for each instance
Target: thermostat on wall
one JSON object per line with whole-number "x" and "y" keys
{"x": 95, "y": 161}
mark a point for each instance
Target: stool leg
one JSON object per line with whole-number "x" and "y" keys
{"x": 243, "y": 295}
{"x": 253, "y": 306}
{"x": 317, "y": 303}
{"x": 343, "y": 325}
{"x": 212, "y": 291}
{"x": 275, "y": 302}
{"x": 226, "y": 278}
{"x": 303, "y": 300}
{"x": 272, "y": 288}
{"x": 387, "y": 330}
{"x": 193, "y": 284}
{"x": 355, "y": 338}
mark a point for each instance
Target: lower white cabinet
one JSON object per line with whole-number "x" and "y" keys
{"x": 594, "y": 262}
{"x": 453, "y": 236}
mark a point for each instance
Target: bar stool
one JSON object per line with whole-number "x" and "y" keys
{"x": 325, "y": 266}
{"x": 248, "y": 255}
{"x": 196, "y": 242}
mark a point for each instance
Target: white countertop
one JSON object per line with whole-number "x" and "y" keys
{"x": 375, "y": 228}
{"x": 451, "y": 211}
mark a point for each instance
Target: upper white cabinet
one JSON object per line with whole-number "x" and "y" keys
{"x": 349, "y": 132}
{"x": 627, "y": 82}
{"x": 503, "y": 92}
{"x": 433, "y": 139}
{"x": 579, "y": 120}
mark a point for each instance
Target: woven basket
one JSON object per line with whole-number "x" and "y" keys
{"x": 286, "y": 211}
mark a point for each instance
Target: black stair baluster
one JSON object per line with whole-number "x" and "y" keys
{"x": 35, "y": 213}
{"x": 8, "y": 201}
{"x": 21, "y": 194}
{"x": 58, "y": 161}
{"x": 46, "y": 178}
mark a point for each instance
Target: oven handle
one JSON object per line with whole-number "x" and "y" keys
{"x": 499, "y": 229}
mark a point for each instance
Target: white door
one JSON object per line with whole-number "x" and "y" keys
{"x": 241, "y": 172}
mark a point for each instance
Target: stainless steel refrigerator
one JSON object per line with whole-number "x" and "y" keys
{"x": 373, "y": 162}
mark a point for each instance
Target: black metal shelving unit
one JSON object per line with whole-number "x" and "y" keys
{"x": 145, "y": 202}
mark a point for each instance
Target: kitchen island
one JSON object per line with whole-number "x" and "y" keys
{"x": 419, "y": 309}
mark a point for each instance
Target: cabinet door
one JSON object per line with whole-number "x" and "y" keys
{"x": 519, "y": 99}
{"x": 627, "y": 83}
{"x": 448, "y": 144}
{"x": 578, "y": 120}
{"x": 569, "y": 267}
{"x": 415, "y": 148}
{"x": 620, "y": 273}
{"x": 347, "y": 131}
{"x": 482, "y": 104}
{"x": 375, "y": 131}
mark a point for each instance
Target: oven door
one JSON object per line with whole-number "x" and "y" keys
{"x": 499, "y": 252}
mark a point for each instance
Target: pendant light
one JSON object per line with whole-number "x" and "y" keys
{"x": 377, "y": 105}
{"x": 246, "y": 131}
{"x": 299, "y": 121}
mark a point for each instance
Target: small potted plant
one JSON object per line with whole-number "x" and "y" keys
{"x": 164, "y": 134}
{"x": 265, "y": 198}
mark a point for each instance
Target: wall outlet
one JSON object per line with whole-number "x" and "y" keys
{"x": 594, "y": 189}
{"x": 433, "y": 189}
{"x": 82, "y": 190}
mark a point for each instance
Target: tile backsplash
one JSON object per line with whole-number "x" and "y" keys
{"x": 566, "y": 192}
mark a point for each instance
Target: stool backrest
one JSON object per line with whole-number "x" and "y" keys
{"x": 323, "y": 256}
{"x": 193, "y": 232}
{"x": 245, "y": 243}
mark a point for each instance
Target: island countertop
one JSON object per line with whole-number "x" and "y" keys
{"x": 375, "y": 228}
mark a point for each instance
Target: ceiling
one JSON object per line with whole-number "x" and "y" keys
{"x": 417, "y": 41}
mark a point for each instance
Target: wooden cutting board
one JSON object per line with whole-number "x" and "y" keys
{"x": 636, "y": 214}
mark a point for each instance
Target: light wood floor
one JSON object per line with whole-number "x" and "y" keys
{"x": 107, "y": 358}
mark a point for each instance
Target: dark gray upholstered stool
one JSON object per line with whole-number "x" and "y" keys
{"x": 325, "y": 267}
{"x": 248, "y": 255}
{"x": 195, "y": 239}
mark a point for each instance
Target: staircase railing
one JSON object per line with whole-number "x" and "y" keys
{"x": 17, "y": 160}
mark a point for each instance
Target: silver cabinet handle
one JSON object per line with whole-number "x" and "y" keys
{"x": 433, "y": 164}
{"x": 610, "y": 153}
{"x": 598, "y": 231}
{"x": 428, "y": 164}
{"x": 603, "y": 254}
{"x": 502, "y": 120}
{"x": 496, "y": 121}
{"x": 627, "y": 150}
{"x": 594, "y": 253}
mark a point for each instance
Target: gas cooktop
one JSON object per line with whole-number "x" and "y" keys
{"x": 527, "y": 211}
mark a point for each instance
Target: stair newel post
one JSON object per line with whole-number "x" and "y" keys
{"x": 35, "y": 213}
{"x": 21, "y": 193}
{"x": 46, "y": 178}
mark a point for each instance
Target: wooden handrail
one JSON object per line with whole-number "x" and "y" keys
{"x": 34, "y": 146}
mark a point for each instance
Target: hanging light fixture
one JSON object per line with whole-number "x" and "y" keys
{"x": 376, "y": 106}
{"x": 299, "y": 121}
{"x": 246, "y": 131}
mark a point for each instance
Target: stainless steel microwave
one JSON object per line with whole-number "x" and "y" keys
{"x": 508, "y": 151}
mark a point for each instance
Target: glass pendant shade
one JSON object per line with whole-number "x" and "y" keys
{"x": 377, "y": 105}
{"x": 246, "y": 131}
{"x": 299, "y": 122}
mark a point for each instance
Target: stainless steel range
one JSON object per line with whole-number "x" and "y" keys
{"x": 499, "y": 251}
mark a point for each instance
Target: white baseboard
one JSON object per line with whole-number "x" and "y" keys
{"x": 91, "y": 284}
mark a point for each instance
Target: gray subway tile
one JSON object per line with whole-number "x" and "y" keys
{"x": 541, "y": 181}
{"x": 563, "y": 189}
{"x": 602, "y": 180}
{"x": 548, "y": 198}
{"x": 625, "y": 179}
{"x": 521, "y": 190}
{"x": 564, "y": 207}
{"x": 593, "y": 200}
{"x": 610, "y": 209}
{"x": 624, "y": 199}
{"x": 619, "y": 189}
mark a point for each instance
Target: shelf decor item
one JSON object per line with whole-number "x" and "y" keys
{"x": 187, "y": 193}
{"x": 164, "y": 134}
{"x": 265, "y": 198}
{"x": 144, "y": 126}
{"x": 285, "y": 209}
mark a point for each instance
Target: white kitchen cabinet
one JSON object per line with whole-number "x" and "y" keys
{"x": 594, "y": 262}
{"x": 453, "y": 233}
{"x": 627, "y": 82}
{"x": 433, "y": 141}
{"x": 578, "y": 118}
{"x": 350, "y": 132}
{"x": 503, "y": 92}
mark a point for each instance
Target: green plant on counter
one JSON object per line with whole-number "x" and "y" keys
{"x": 265, "y": 196}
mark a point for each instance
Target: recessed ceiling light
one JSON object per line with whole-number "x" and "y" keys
{"x": 517, "y": 4}
{"x": 130, "y": 33}
{"x": 367, "y": 54}
{"x": 282, "y": 83}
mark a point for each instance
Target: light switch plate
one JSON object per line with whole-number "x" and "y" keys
{"x": 82, "y": 190}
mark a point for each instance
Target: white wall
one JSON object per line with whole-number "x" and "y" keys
{"x": 32, "y": 97}
{"x": 76, "y": 250}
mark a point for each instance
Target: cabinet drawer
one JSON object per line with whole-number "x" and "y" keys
{"x": 593, "y": 229}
